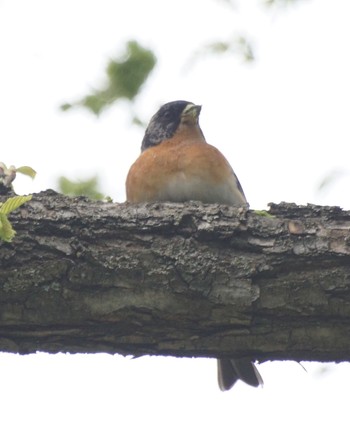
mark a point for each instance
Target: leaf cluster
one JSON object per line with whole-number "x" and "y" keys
{"x": 11, "y": 204}
{"x": 88, "y": 188}
{"x": 125, "y": 76}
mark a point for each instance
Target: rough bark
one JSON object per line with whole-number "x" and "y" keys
{"x": 176, "y": 279}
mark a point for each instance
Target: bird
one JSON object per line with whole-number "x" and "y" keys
{"x": 176, "y": 164}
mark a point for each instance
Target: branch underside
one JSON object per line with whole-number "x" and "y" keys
{"x": 176, "y": 279}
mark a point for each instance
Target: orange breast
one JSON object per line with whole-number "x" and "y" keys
{"x": 178, "y": 170}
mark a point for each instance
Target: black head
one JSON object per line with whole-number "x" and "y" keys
{"x": 165, "y": 122}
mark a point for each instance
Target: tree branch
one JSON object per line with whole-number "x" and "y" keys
{"x": 176, "y": 279}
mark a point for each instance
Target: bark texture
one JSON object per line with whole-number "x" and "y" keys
{"x": 176, "y": 279}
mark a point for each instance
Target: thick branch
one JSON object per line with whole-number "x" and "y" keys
{"x": 179, "y": 279}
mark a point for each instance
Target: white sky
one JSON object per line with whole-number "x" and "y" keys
{"x": 282, "y": 122}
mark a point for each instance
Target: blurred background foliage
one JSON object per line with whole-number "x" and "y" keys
{"x": 126, "y": 75}
{"x": 124, "y": 79}
{"x": 89, "y": 188}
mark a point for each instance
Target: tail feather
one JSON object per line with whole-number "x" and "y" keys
{"x": 229, "y": 371}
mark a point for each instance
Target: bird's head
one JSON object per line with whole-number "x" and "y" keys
{"x": 169, "y": 119}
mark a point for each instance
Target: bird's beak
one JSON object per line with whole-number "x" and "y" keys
{"x": 192, "y": 111}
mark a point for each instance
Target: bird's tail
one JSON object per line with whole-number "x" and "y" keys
{"x": 229, "y": 371}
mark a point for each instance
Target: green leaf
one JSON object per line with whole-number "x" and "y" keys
{"x": 6, "y": 231}
{"x": 66, "y": 106}
{"x": 27, "y": 170}
{"x": 13, "y": 203}
{"x": 237, "y": 45}
{"x": 88, "y": 188}
{"x": 263, "y": 213}
{"x": 124, "y": 76}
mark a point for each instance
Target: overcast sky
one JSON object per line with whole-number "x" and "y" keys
{"x": 282, "y": 122}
